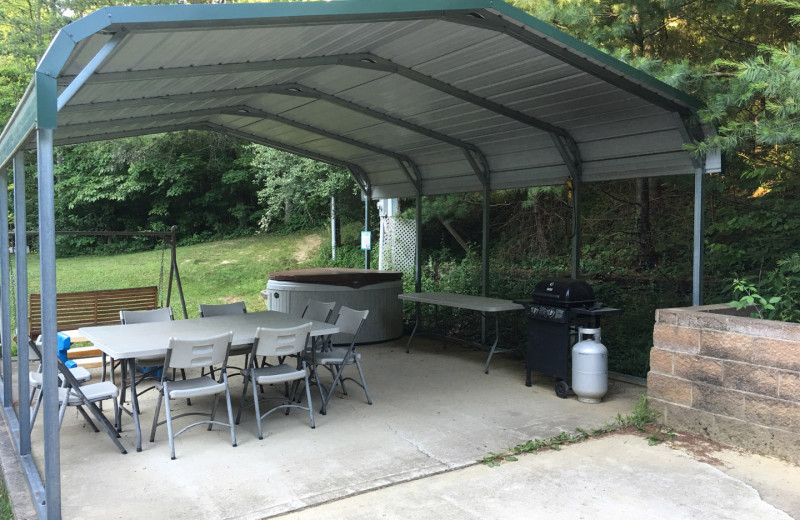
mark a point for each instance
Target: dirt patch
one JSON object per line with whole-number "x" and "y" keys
{"x": 307, "y": 247}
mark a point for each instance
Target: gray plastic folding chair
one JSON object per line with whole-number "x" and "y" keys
{"x": 228, "y": 309}
{"x": 195, "y": 353}
{"x": 71, "y": 393}
{"x": 150, "y": 364}
{"x": 35, "y": 382}
{"x": 281, "y": 343}
{"x": 318, "y": 311}
{"x": 335, "y": 359}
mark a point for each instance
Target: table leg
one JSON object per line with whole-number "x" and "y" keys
{"x": 135, "y": 403}
{"x": 408, "y": 343}
{"x": 494, "y": 345}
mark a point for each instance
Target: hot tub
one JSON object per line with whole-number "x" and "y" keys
{"x": 289, "y": 291}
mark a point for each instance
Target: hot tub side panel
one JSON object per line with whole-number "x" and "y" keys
{"x": 385, "y": 320}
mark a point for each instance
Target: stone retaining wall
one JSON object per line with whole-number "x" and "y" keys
{"x": 732, "y": 378}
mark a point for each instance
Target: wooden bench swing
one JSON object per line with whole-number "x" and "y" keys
{"x": 101, "y": 307}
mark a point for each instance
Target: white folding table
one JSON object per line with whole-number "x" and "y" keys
{"x": 464, "y": 301}
{"x": 127, "y": 342}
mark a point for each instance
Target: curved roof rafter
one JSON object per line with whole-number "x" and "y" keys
{"x": 355, "y": 170}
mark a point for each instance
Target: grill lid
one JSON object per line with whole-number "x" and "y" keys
{"x": 563, "y": 293}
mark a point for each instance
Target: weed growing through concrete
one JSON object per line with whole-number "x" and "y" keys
{"x": 641, "y": 416}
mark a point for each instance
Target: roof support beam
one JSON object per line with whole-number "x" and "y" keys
{"x": 90, "y": 68}
{"x": 297, "y": 90}
{"x": 120, "y": 135}
{"x": 245, "y": 111}
{"x": 362, "y": 61}
{"x": 356, "y": 171}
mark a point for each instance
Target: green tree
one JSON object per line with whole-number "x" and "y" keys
{"x": 295, "y": 192}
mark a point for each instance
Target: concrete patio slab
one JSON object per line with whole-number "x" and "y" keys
{"x": 413, "y": 454}
{"x": 434, "y": 411}
{"x": 615, "y": 477}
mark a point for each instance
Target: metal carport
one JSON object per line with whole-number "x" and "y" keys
{"x": 415, "y": 98}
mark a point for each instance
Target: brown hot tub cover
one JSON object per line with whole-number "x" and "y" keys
{"x": 354, "y": 278}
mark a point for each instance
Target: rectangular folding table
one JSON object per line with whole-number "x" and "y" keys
{"x": 463, "y": 301}
{"x": 127, "y": 342}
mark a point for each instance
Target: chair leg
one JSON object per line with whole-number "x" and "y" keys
{"x": 310, "y": 404}
{"x": 363, "y": 381}
{"x": 155, "y": 417}
{"x": 169, "y": 426}
{"x": 230, "y": 412}
{"x": 244, "y": 394}
{"x": 258, "y": 410}
{"x": 36, "y": 406}
{"x": 213, "y": 414}
{"x": 88, "y": 419}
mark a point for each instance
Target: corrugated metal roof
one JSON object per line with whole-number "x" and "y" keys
{"x": 446, "y": 90}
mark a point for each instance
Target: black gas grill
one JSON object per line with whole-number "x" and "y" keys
{"x": 554, "y": 312}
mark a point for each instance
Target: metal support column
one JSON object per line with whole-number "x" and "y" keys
{"x": 366, "y": 228}
{"x": 418, "y": 256}
{"x": 5, "y": 291}
{"x": 333, "y": 228}
{"x": 47, "y": 270}
{"x": 575, "y": 260}
{"x": 699, "y": 238}
{"x": 485, "y": 255}
{"x": 21, "y": 273}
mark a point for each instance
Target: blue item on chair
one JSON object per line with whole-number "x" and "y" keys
{"x": 64, "y": 343}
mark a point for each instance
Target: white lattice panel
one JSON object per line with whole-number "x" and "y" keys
{"x": 398, "y": 240}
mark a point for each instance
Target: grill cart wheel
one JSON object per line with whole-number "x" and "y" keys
{"x": 562, "y": 389}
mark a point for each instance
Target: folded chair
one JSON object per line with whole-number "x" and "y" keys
{"x": 71, "y": 393}
{"x": 282, "y": 343}
{"x": 195, "y": 353}
{"x": 335, "y": 359}
{"x": 317, "y": 311}
{"x": 35, "y": 382}
{"x": 228, "y": 309}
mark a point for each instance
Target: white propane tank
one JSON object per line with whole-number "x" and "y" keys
{"x": 589, "y": 367}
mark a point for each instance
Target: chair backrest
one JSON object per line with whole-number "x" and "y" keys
{"x": 69, "y": 377}
{"x": 130, "y": 317}
{"x": 281, "y": 342}
{"x": 318, "y": 311}
{"x": 198, "y": 352}
{"x": 350, "y": 321}
{"x": 224, "y": 309}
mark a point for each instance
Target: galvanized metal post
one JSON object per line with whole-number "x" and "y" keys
{"x": 333, "y": 227}
{"x": 366, "y": 228}
{"x": 485, "y": 255}
{"x": 21, "y": 272}
{"x": 418, "y": 256}
{"x": 47, "y": 270}
{"x": 5, "y": 290}
{"x": 575, "y": 260}
{"x": 699, "y": 232}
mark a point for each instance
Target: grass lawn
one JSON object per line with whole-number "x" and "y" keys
{"x": 214, "y": 272}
